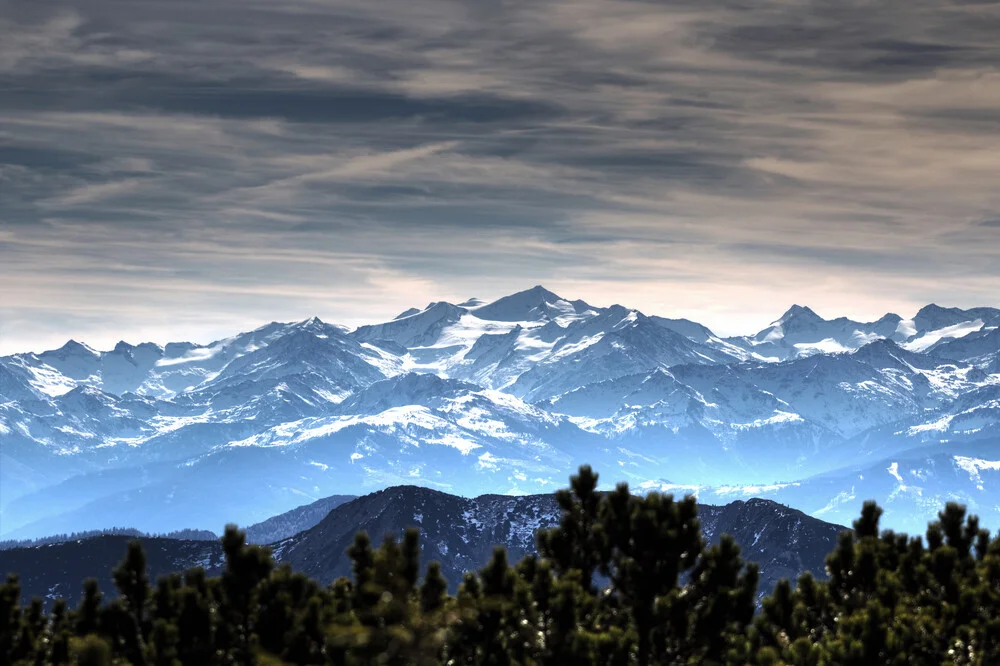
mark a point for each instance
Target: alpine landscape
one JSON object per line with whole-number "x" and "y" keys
{"x": 520, "y": 333}
{"x": 506, "y": 398}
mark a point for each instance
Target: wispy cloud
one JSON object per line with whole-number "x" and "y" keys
{"x": 87, "y": 194}
{"x": 347, "y": 159}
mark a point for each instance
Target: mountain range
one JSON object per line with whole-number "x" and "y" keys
{"x": 458, "y": 532}
{"x": 507, "y": 397}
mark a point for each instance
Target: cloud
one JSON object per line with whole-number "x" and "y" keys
{"x": 348, "y": 160}
{"x": 87, "y": 194}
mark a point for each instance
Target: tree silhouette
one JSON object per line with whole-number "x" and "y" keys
{"x": 622, "y": 580}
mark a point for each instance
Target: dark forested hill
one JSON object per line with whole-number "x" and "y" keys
{"x": 459, "y": 532}
{"x": 59, "y": 569}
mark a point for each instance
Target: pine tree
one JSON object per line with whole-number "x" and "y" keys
{"x": 579, "y": 543}
{"x": 132, "y": 581}
{"x": 10, "y": 617}
{"x": 88, "y": 615}
{"x": 93, "y": 651}
{"x": 59, "y": 634}
{"x": 246, "y": 567}
{"x": 196, "y": 620}
{"x": 434, "y": 590}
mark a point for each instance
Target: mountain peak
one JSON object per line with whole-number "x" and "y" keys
{"x": 440, "y": 306}
{"x": 934, "y": 316}
{"x": 407, "y": 313}
{"x": 889, "y": 318}
{"x": 799, "y": 312}
{"x": 530, "y": 304}
{"x": 881, "y": 343}
{"x": 538, "y": 293}
{"x": 539, "y": 289}
{"x": 74, "y": 347}
{"x": 933, "y": 308}
{"x": 878, "y": 349}
{"x": 413, "y": 327}
{"x": 317, "y": 326}
{"x": 886, "y": 353}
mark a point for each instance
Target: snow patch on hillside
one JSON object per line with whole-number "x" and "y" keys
{"x": 974, "y": 466}
{"x": 51, "y": 382}
{"x": 825, "y": 346}
{"x": 930, "y": 338}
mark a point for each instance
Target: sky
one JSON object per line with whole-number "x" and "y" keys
{"x": 176, "y": 170}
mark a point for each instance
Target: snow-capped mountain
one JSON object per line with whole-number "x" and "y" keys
{"x": 506, "y": 397}
{"x": 801, "y": 332}
{"x": 979, "y": 348}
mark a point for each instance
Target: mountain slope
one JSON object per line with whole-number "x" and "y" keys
{"x": 292, "y": 522}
